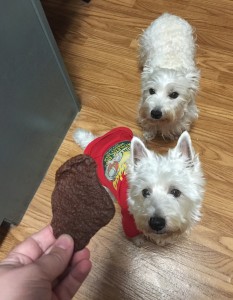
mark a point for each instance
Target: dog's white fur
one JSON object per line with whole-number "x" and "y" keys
{"x": 167, "y": 56}
{"x": 161, "y": 176}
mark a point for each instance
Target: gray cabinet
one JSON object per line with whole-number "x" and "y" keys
{"x": 37, "y": 103}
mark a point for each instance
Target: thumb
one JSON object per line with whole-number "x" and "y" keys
{"x": 56, "y": 261}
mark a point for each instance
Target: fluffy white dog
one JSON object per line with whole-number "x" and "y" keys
{"x": 164, "y": 193}
{"x": 170, "y": 78}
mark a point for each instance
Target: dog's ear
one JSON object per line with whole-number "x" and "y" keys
{"x": 138, "y": 150}
{"x": 193, "y": 78}
{"x": 147, "y": 71}
{"x": 184, "y": 147}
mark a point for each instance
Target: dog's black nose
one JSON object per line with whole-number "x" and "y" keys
{"x": 157, "y": 223}
{"x": 156, "y": 114}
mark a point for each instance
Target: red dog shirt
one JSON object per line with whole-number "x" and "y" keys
{"x": 111, "y": 152}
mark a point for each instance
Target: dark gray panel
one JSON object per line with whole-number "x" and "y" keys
{"x": 37, "y": 103}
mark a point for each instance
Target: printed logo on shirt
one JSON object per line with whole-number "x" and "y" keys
{"x": 114, "y": 162}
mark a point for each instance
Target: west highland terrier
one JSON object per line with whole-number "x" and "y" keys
{"x": 160, "y": 196}
{"x": 170, "y": 78}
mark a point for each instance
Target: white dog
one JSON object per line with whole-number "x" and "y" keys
{"x": 170, "y": 78}
{"x": 164, "y": 193}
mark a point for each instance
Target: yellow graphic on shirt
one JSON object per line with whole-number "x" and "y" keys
{"x": 115, "y": 162}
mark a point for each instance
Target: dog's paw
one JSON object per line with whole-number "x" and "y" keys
{"x": 138, "y": 240}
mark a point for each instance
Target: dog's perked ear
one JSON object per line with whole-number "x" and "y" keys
{"x": 147, "y": 71}
{"x": 138, "y": 150}
{"x": 184, "y": 147}
{"x": 193, "y": 77}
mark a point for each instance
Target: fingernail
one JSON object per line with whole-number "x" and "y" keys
{"x": 65, "y": 242}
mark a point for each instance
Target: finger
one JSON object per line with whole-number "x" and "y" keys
{"x": 80, "y": 255}
{"x": 56, "y": 261}
{"x": 32, "y": 248}
{"x": 83, "y": 254}
{"x": 74, "y": 279}
{"x": 44, "y": 238}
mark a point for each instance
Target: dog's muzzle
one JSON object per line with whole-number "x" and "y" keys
{"x": 157, "y": 223}
{"x": 156, "y": 114}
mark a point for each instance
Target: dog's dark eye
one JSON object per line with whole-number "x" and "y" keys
{"x": 152, "y": 91}
{"x": 173, "y": 95}
{"x": 145, "y": 193}
{"x": 176, "y": 193}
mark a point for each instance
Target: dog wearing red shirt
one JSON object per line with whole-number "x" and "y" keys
{"x": 160, "y": 196}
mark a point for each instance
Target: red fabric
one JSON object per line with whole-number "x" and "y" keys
{"x": 110, "y": 152}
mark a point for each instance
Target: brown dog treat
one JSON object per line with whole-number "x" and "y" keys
{"x": 80, "y": 204}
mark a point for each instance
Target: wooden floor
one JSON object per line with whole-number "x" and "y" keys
{"x": 99, "y": 44}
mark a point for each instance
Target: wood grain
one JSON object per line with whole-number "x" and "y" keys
{"x": 98, "y": 42}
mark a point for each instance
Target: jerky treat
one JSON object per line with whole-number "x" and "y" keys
{"x": 80, "y": 204}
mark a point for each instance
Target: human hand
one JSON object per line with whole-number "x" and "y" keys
{"x": 42, "y": 268}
